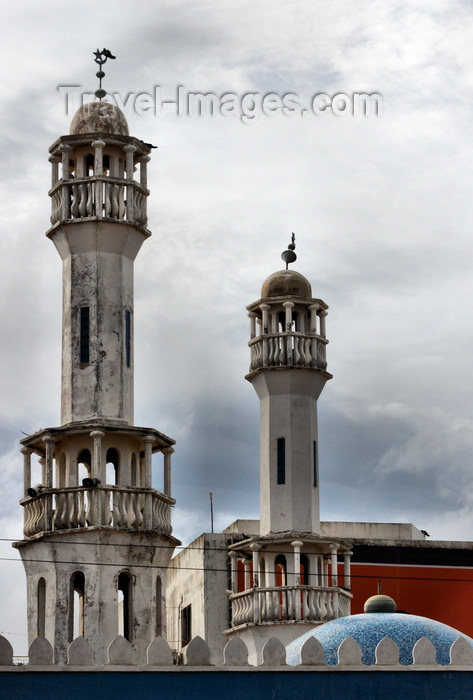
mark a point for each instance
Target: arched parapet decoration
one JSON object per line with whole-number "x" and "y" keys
{"x": 125, "y": 583}
{"x": 76, "y": 605}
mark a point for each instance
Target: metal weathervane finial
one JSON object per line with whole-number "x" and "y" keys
{"x": 101, "y": 58}
{"x": 289, "y": 256}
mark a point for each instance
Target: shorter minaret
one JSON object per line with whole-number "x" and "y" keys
{"x": 288, "y": 372}
{"x": 285, "y": 580}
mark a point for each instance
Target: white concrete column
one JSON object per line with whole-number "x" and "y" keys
{"x": 167, "y": 452}
{"x": 264, "y": 332}
{"x": 65, "y": 199}
{"x": 325, "y": 578}
{"x": 130, "y": 205}
{"x": 54, "y": 169}
{"x": 97, "y": 471}
{"x": 148, "y": 440}
{"x": 48, "y": 466}
{"x": 252, "y": 316}
{"x": 234, "y": 571}
{"x": 144, "y": 160}
{"x": 346, "y": 570}
{"x": 26, "y": 452}
{"x": 98, "y": 172}
{"x": 297, "y": 544}
{"x": 255, "y": 547}
{"x": 322, "y": 315}
{"x": 246, "y": 565}
{"x": 334, "y": 565}
{"x": 288, "y": 305}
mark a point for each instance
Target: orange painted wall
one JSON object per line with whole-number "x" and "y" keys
{"x": 441, "y": 593}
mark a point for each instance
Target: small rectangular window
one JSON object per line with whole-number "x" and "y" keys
{"x": 128, "y": 337}
{"x": 84, "y": 335}
{"x": 281, "y": 460}
{"x": 314, "y": 459}
{"x": 186, "y": 625}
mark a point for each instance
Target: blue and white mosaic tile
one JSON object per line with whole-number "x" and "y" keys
{"x": 368, "y": 629}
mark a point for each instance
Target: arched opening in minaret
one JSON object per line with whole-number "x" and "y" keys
{"x": 76, "y": 605}
{"x": 133, "y": 471}
{"x": 304, "y": 570}
{"x": 159, "y": 607}
{"x": 84, "y": 462}
{"x": 125, "y": 605}
{"x": 280, "y": 570}
{"x": 157, "y": 471}
{"x": 41, "y": 616}
{"x": 113, "y": 466}
{"x": 61, "y": 471}
{"x": 262, "y": 573}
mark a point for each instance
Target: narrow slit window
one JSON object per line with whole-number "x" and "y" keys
{"x": 281, "y": 460}
{"x": 186, "y": 625}
{"x": 128, "y": 337}
{"x": 314, "y": 458}
{"x": 84, "y": 335}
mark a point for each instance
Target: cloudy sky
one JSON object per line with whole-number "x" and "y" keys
{"x": 381, "y": 207}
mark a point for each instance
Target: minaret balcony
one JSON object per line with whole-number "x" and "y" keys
{"x": 100, "y": 197}
{"x": 289, "y": 349}
{"x": 117, "y": 507}
{"x": 278, "y": 604}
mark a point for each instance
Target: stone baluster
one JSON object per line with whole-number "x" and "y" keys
{"x": 26, "y": 452}
{"x": 98, "y": 172}
{"x": 264, "y": 332}
{"x": 346, "y": 570}
{"x": 130, "y": 203}
{"x": 65, "y": 205}
{"x": 234, "y": 571}
{"x": 168, "y": 451}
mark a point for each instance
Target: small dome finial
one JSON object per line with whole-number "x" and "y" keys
{"x": 289, "y": 255}
{"x": 101, "y": 58}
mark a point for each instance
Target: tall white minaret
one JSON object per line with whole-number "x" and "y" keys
{"x": 97, "y": 531}
{"x": 288, "y": 372}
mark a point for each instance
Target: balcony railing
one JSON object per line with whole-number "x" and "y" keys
{"x": 288, "y": 349}
{"x": 100, "y": 197}
{"x": 285, "y": 603}
{"x": 110, "y": 506}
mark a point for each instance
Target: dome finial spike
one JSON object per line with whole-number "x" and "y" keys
{"x": 289, "y": 256}
{"x": 101, "y": 58}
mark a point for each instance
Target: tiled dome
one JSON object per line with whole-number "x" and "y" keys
{"x": 368, "y": 629}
